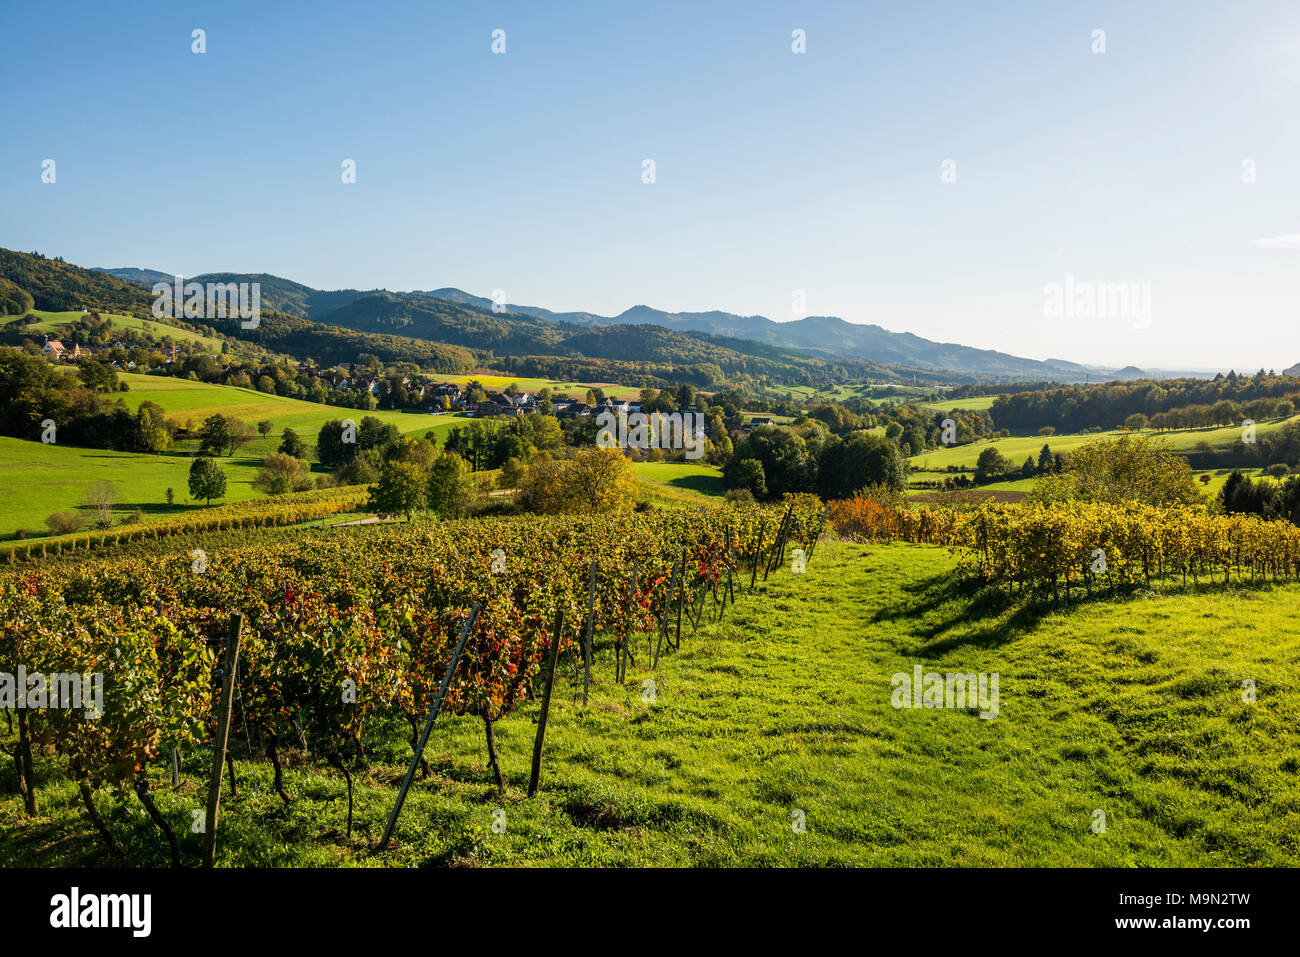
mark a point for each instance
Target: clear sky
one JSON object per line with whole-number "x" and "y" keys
{"x": 775, "y": 171}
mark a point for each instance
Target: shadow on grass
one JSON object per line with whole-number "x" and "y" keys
{"x": 705, "y": 484}
{"x": 956, "y": 610}
{"x": 981, "y": 615}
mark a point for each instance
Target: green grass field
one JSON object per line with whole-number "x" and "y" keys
{"x": 783, "y": 713}
{"x": 37, "y": 479}
{"x": 703, "y": 480}
{"x": 157, "y": 330}
{"x": 974, "y": 404}
{"x": 1211, "y": 488}
{"x": 184, "y": 400}
{"x": 1017, "y": 448}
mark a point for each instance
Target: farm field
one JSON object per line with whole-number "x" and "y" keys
{"x": 974, "y": 404}
{"x": 703, "y": 480}
{"x": 1017, "y": 448}
{"x": 1129, "y": 707}
{"x": 1211, "y": 489}
{"x": 184, "y": 400}
{"x": 157, "y": 330}
{"x": 39, "y": 479}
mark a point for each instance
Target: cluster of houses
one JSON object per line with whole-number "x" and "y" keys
{"x": 431, "y": 395}
{"x": 500, "y": 403}
{"x": 751, "y": 425}
{"x": 56, "y": 351}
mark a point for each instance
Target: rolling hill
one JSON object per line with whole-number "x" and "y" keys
{"x": 424, "y": 314}
{"x": 294, "y": 316}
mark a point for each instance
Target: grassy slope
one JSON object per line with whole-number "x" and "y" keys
{"x": 1132, "y": 707}
{"x": 973, "y": 404}
{"x": 683, "y": 476}
{"x": 37, "y": 480}
{"x": 157, "y": 330}
{"x": 931, "y": 465}
{"x": 183, "y": 399}
{"x": 1017, "y": 448}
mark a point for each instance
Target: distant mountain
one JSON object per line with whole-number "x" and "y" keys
{"x": 471, "y": 321}
{"x": 141, "y": 277}
{"x": 347, "y": 325}
{"x": 59, "y": 286}
{"x": 820, "y": 335}
{"x": 293, "y": 298}
{"x": 464, "y": 298}
{"x": 425, "y": 317}
{"x": 282, "y": 295}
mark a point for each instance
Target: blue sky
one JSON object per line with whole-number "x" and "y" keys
{"x": 774, "y": 171}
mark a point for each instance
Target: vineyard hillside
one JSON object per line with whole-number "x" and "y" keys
{"x": 1133, "y": 707}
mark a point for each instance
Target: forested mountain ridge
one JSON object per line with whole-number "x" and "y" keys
{"x": 445, "y": 335}
{"x": 824, "y": 336}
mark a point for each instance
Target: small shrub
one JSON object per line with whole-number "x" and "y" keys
{"x": 64, "y": 523}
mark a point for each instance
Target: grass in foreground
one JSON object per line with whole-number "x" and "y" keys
{"x": 1131, "y": 707}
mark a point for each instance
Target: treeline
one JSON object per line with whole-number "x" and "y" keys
{"x": 1263, "y": 497}
{"x": 32, "y": 391}
{"x": 773, "y": 461}
{"x": 1078, "y": 407}
{"x": 1281, "y": 447}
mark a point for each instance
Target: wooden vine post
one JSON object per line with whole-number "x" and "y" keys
{"x": 681, "y": 602}
{"x": 591, "y": 622}
{"x": 224, "y": 701}
{"x": 821, "y": 522}
{"x": 779, "y": 545}
{"x": 758, "y": 556}
{"x": 631, "y": 624}
{"x": 668, "y": 607}
{"x": 546, "y": 703}
{"x": 731, "y": 564}
{"x": 428, "y": 725}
